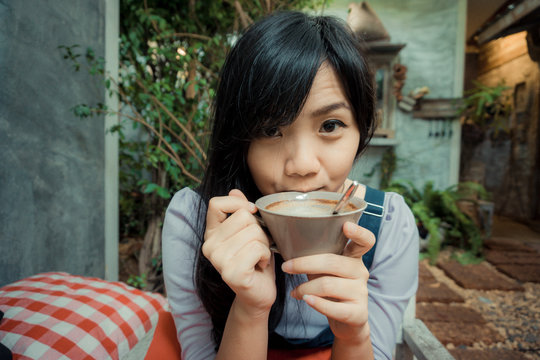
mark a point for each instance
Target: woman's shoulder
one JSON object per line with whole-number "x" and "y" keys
{"x": 185, "y": 197}
{"x": 395, "y": 202}
{"x": 180, "y": 224}
{"x": 185, "y": 204}
{"x": 398, "y": 222}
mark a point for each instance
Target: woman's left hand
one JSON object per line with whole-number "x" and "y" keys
{"x": 337, "y": 285}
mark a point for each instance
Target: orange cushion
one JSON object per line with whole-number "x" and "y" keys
{"x": 165, "y": 345}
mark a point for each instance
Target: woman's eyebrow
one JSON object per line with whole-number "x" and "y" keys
{"x": 329, "y": 108}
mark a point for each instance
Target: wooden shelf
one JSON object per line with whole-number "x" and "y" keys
{"x": 436, "y": 108}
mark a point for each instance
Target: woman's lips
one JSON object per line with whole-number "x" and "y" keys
{"x": 305, "y": 190}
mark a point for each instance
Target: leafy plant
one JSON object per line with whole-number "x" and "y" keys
{"x": 466, "y": 258}
{"x": 486, "y": 107}
{"x": 437, "y": 213}
{"x": 387, "y": 167}
{"x": 170, "y": 53}
{"x": 138, "y": 281}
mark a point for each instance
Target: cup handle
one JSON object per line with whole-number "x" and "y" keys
{"x": 261, "y": 222}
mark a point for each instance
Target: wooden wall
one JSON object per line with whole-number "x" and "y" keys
{"x": 508, "y": 164}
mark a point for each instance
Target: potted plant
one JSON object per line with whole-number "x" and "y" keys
{"x": 484, "y": 108}
{"x": 439, "y": 217}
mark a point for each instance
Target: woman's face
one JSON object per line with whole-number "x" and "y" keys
{"x": 315, "y": 152}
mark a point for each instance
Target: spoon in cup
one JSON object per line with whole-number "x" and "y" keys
{"x": 345, "y": 198}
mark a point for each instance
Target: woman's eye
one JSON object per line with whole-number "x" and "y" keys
{"x": 331, "y": 125}
{"x": 271, "y": 132}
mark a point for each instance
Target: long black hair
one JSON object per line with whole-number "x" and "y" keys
{"x": 264, "y": 84}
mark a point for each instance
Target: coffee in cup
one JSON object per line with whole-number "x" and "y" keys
{"x": 307, "y": 207}
{"x": 302, "y": 224}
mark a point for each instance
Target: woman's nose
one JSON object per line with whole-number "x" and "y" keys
{"x": 302, "y": 159}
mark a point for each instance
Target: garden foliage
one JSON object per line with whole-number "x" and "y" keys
{"x": 438, "y": 213}
{"x": 487, "y": 107}
{"x": 170, "y": 56}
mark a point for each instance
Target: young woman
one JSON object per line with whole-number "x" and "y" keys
{"x": 293, "y": 110}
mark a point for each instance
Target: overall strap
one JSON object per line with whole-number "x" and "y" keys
{"x": 371, "y": 219}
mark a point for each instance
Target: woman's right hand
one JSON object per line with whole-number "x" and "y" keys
{"x": 239, "y": 249}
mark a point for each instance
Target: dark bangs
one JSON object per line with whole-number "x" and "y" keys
{"x": 347, "y": 56}
{"x": 268, "y": 74}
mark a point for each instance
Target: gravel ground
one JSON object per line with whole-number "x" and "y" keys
{"x": 515, "y": 314}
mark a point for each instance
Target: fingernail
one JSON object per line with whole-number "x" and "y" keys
{"x": 286, "y": 266}
{"x": 308, "y": 299}
{"x": 252, "y": 207}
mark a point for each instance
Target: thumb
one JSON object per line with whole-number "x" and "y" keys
{"x": 362, "y": 240}
{"x": 238, "y": 193}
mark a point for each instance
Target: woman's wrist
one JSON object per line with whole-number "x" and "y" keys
{"x": 247, "y": 313}
{"x": 351, "y": 347}
{"x": 245, "y": 335}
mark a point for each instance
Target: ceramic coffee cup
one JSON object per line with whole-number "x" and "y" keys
{"x": 302, "y": 224}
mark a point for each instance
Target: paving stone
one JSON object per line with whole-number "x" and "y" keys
{"x": 478, "y": 276}
{"x": 437, "y": 292}
{"x": 510, "y": 257}
{"x": 463, "y": 333}
{"x": 535, "y": 245}
{"x": 448, "y": 313}
{"x": 523, "y": 273}
{"x": 424, "y": 274}
{"x": 507, "y": 244}
{"x": 488, "y": 354}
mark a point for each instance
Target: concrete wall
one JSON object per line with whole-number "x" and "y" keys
{"x": 51, "y": 163}
{"x": 433, "y": 32}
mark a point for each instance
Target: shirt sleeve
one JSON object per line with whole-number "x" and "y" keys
{"x": 179, "y": 251}
{"x": 393, "y": 278}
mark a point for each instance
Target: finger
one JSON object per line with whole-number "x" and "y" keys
{"x": 221, "y": 206}
{"x": 330, "y": 264}
{"x": 340, "y": 289}
{"x": 235, "y": 223}
{"x": 340, "y": 311}
{"x": 220, "y": 252}
{"x": 362, "y": 240}
{"x": 240, "y": 272}
{"x": 237, "y": 193}
{"x": 259, "y": 253}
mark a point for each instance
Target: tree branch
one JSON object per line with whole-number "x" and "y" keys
{"x": 182, "y": 34}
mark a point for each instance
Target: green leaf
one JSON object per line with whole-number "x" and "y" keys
{"x": 150, "y": 188}
{"x": 82, "y": 111}
{"x": 164, "y": 193}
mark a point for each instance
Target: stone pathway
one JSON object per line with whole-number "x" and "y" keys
{"x": 489, "y": 310}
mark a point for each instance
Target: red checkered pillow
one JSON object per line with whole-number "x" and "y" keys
{"x": 57, "y": 315}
